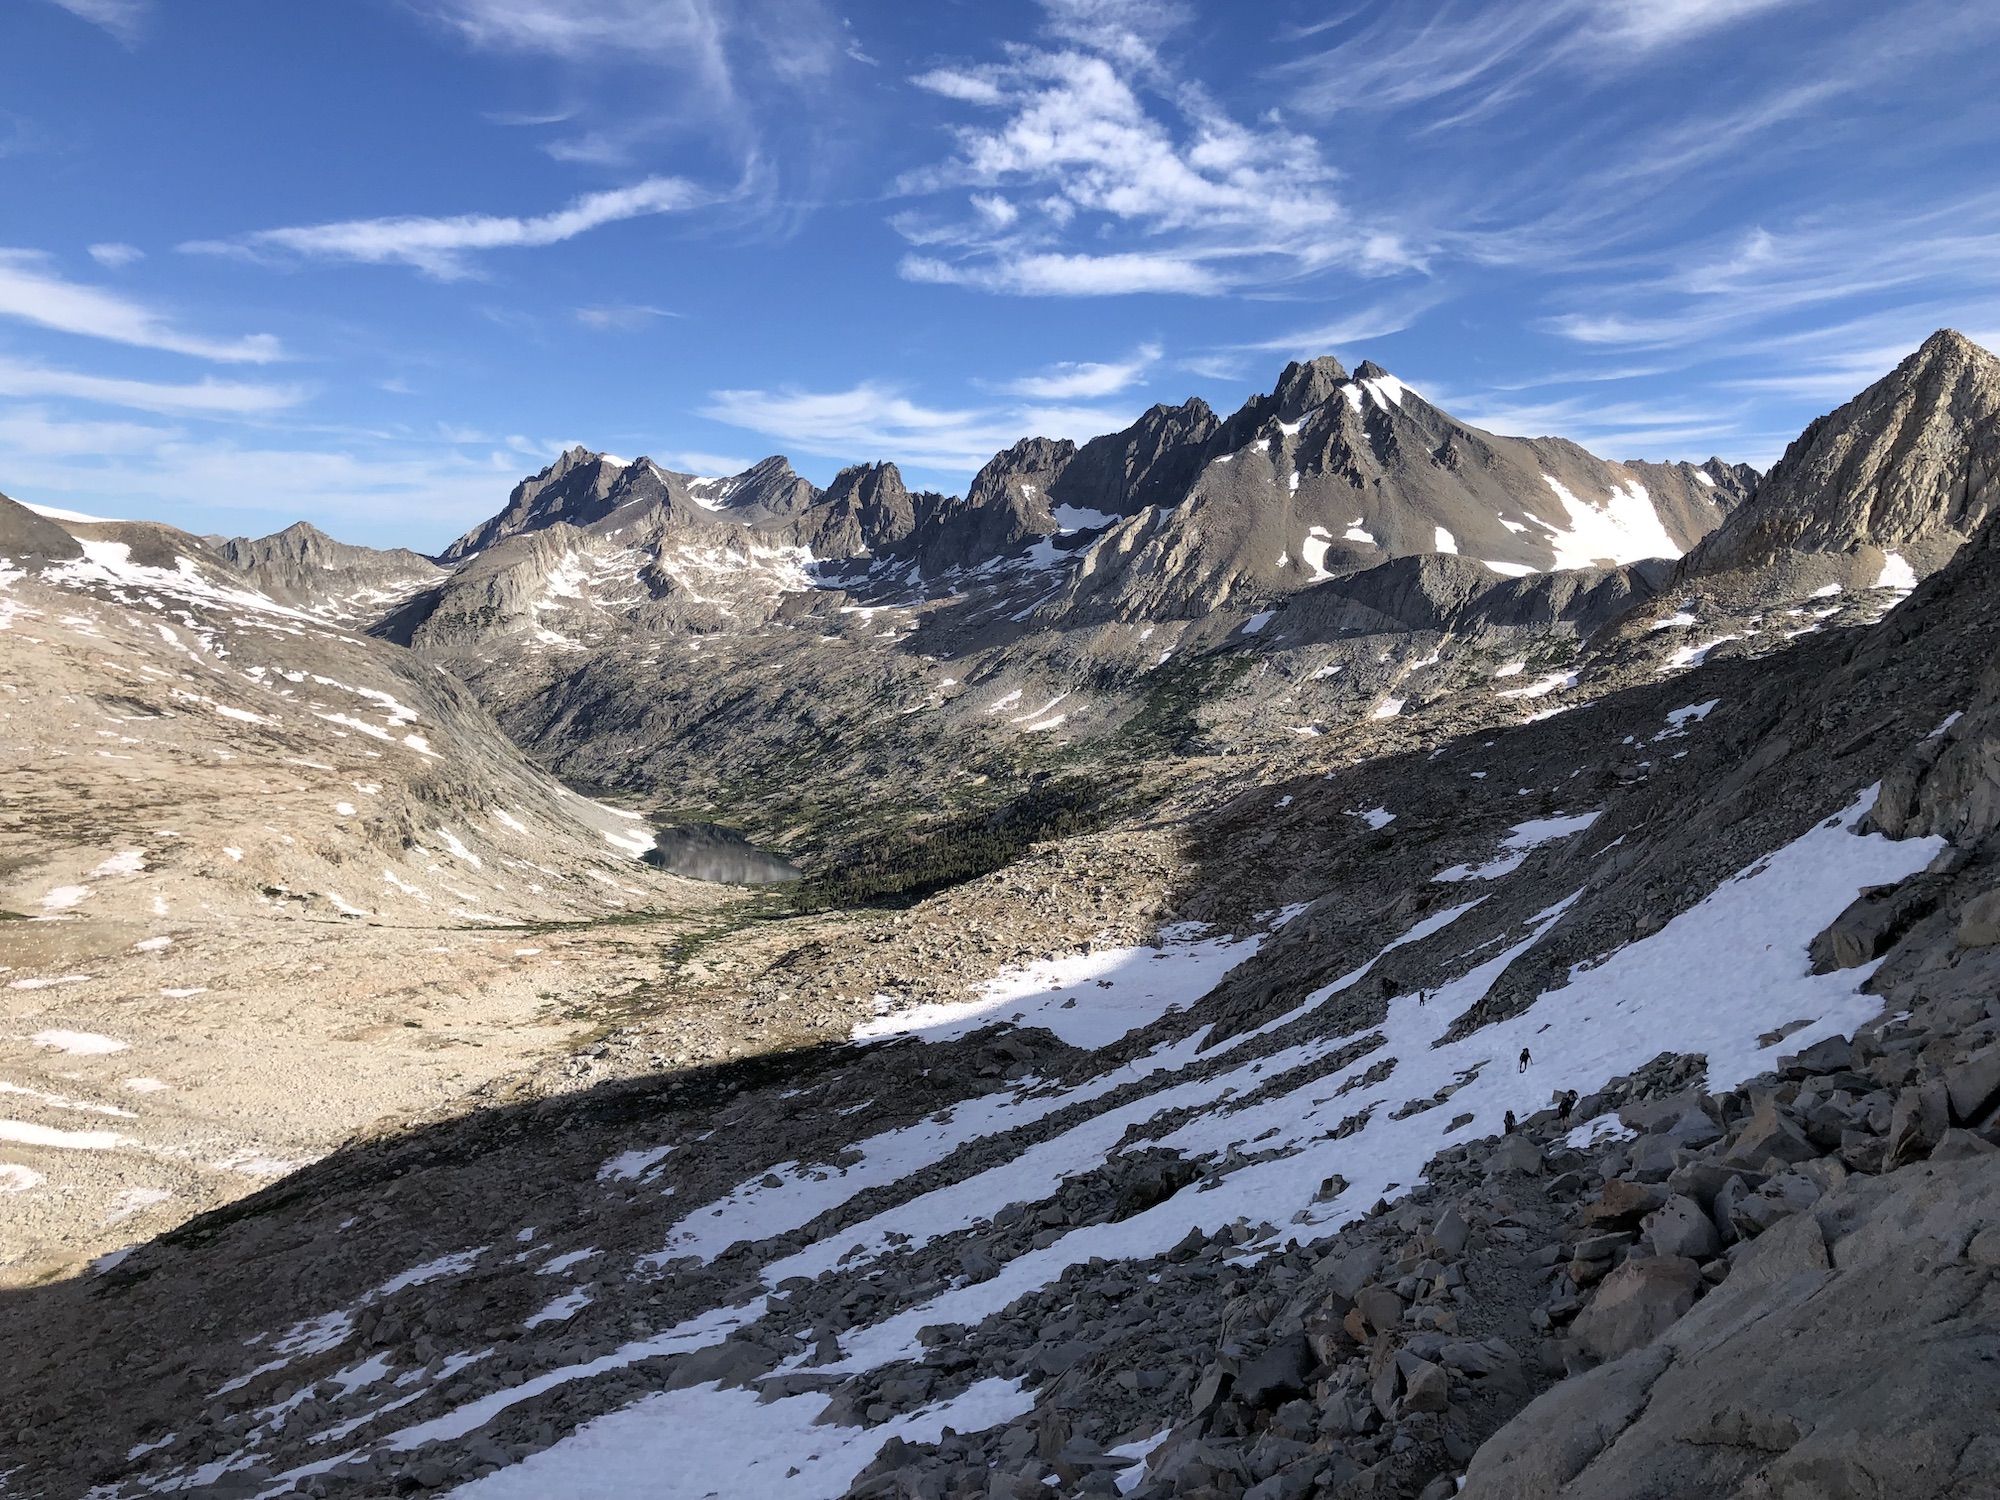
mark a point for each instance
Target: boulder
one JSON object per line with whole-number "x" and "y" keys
{"x": 1380, "y": 1307}
{"x": 1873, "y": 923}
{"x": 1831, "y": 1054}
{"x": 1635, "y": 1304}
{"x": 1559, "y": 1435}
{"x": 1956, "y": 1144}
{"x": 1979, "y": 922}
{"x": 1347, "y": 1274}
{"x": 1768, "y": 1137}
{"x": 1515, "y": 1154}
{"x": 1451, "y": 1233}
{"x": 1623, "y": 1202}
{"x": 1784, "y": 1195}
{"x": 1426, "y": 1387}
{"x": 1680, "y": 1227}
{"x": 1918, "y": 1122}
{"x": 1277, "y": 1375}
{"x": 1973, "y": 1086}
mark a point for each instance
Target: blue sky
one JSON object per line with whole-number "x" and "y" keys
{"x": 368, "y": 262}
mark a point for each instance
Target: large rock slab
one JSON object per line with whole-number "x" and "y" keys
{"x": 1637, "y": 1302}
{"x": 1852, "y": 1352}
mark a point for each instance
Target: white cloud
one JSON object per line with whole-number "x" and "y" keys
{"x": 1094, "y": 171}
{"x": 963, "y": 84}
{"x": 216, "y": 398}
{"x": 1640, "y": 26}
{"x": 1072, "y": 380}
{"x": 721, "y": 68}
{"x": 161, "y": 472}
{"x": 28, "y": 432}
{"x": 112, "y": 255}
{"x": 1351, "y": 327}
{"x": 872, "y": 420}
{"x": 1732, "y": 286}
{"x": 1831, "y": 363}
{"x": 124, "y": 19}
{"x": 441, "y": 247}
{"x": 585, "y": 30}
{"x": 1579, "y": 418}
{"x": 621, "y": 317}
{"x": 716, "y": 465}
{"x": 1481, "y": 54}
{"x": 1050, "y": 275}
{"x": 31, "y": 292}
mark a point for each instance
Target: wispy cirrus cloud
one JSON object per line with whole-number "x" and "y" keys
{"x": 124, "y": 19}
{"x": 874, "y": 419}
{"x": 115, "y": 256}
{"x": 32, "y": 291}
{"x": 722, "y": 72}
{"x": 796, "y": 38}
{"x": 208, "y": 397}
{"x": 1082, "y": 380}
{"x": 443, "y": 247}
{"x": 1475, "y": 55}
{"x": 1739, "y": 283}
{"x": 1352, "y": 326}
{"x": 1047, "y": 274}
{"x": 622, "y": 317}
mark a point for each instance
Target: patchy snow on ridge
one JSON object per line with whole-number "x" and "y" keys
{"x": 1087, "y": 999}
{"x": 1621, "y": 529}
{"x": 1896, "y": 574}
{"x": 1071, "y": 518}
{"x": 1521, "y": 840}
{"x": 707, "y": 1441}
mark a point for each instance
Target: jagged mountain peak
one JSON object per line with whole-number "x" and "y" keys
{"x": 1890, "y": 484}
{"x": 768, "y": 489}
{"x": 856, "y": 478}
{"x": 1305, "y": 384}
{"x": 1949, "y": 342}
{"x": 574, "y": 488}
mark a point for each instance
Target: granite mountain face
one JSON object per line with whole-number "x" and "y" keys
{"x": 1067, "y": 577}
{"x": 1896, "y": 479}
{"x": 1339, "y": 954}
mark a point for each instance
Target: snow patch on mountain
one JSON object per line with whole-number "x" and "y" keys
{"x": 1622, "y": 529}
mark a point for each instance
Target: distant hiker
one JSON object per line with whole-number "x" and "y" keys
{"x": 1525, "y": 1060}
{"x": 1565, "y": 1102}
{"x": 1423, "y": 997}
{"x": 1510, "y": 1122}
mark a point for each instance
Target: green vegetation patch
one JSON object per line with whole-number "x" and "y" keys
{"x": 903, "y": 867}
{"x": 1169, "y": 720}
